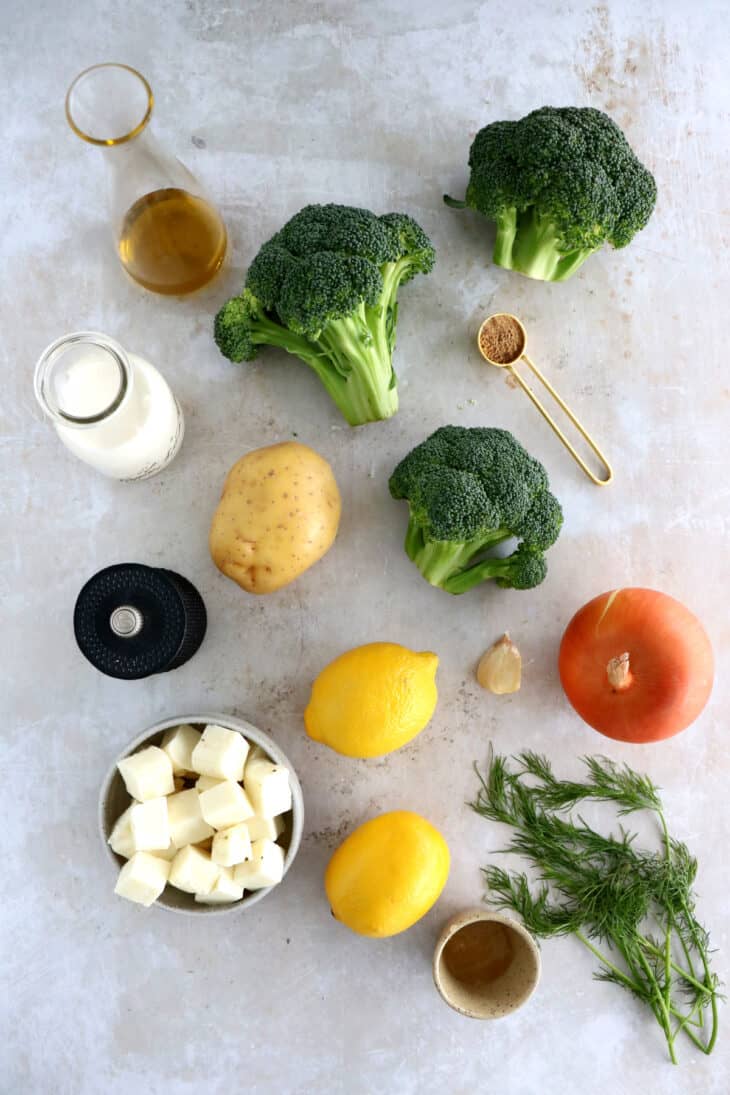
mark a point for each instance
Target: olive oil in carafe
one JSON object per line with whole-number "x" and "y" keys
{"x": 172, "y": 241}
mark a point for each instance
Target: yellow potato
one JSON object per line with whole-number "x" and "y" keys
{"x": 278, "y": 514}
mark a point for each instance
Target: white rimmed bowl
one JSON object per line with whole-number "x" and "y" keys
{"x": 114, "y": 799}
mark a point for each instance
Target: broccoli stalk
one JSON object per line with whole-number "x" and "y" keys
{"x": 458, "y": 567}
{"x": 558, "y": 183}
{"x": 356, "y": 366}
{"x": 525, "y": 568}
{"x": 325, "y": 289}
{"x": 470, "y": 490}
{"x": 440, "y": 561}
{"x": 530, "y": 244}
{"x": 351, "y": 356}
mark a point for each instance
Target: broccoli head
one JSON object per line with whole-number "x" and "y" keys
{"x": 325, "y": 288}
{"x": 468, "y": 491}
{"x": 559, "y": 183}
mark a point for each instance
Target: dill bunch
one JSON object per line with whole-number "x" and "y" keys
{"x": 633, "y": 908}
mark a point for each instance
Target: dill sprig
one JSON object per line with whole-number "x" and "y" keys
{"x": 634, "y": 909}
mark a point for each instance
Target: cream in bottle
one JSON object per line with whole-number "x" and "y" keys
{"x": 110, "y": 408}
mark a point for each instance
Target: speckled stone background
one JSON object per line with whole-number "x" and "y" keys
{"x": 275, "y": 104}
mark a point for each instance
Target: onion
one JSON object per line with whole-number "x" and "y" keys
{"x": 636, "y": 665}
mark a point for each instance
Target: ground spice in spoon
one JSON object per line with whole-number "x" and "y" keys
{"x": 501, "y": 339}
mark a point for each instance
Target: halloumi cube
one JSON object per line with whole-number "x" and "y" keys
{"x": 220, "y": 753}
{"x": 265, "y": 828}
{"x": 187, "y": 825}
{"x": 120, "y": 838}
{"x": 147, "y": 774}
{"x": 167, "y": 853}
{"x": 264, "y": 868}
{"x": 255, "y": 753}
{"x": 149, "y": 825}
{"x": 179, "y": 742}
{"x": 225, "y": 805}
{"x": 267, "y": 786}
{"x": 142, "y": 878}
{"x": 193, "y": 871}
{"x": 204, "y": 783}
{"x": 231, "y": 846}
{"x": 224, "y": 890}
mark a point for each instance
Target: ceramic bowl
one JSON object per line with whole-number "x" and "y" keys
{"x": 512, "y": 954}
{"x": 114, "y": 799}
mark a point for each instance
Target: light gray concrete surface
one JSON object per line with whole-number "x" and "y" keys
{"x": 274, "y": 105}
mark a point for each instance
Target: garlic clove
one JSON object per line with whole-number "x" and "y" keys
{"x": 500, "y": 667}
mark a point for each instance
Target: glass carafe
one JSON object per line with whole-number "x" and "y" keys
{"x": 111, "y": 408}
{"x": 170, "y": 238}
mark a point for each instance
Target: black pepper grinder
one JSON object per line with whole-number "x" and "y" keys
{"x": 132, "y": 621}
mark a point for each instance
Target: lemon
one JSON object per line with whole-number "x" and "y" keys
{"x": 387, "y": 874}
{"x": 372, "y": 700}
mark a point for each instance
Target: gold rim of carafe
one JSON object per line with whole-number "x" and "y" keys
{"x": 109, "y": 142}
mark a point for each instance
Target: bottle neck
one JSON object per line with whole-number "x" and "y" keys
{"x": 140, "y": 166}
{"x": 144, "y": 144}
{"x": 83, "y": 379}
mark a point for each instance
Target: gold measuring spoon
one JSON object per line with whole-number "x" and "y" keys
{"x": 505, "y": 338}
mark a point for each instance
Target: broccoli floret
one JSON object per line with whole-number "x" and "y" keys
{"x": 325, "y": 288}
{"x": 468, "y": 491}
{"x": 242, "y": 325}
{"x": 559, "y": 183}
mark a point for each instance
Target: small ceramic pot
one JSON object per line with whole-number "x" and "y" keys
{"x": 495, "y": 970}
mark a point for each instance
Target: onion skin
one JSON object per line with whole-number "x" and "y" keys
{"x": 670, "y": 658}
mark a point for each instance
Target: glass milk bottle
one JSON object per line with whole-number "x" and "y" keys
{"x": 169, "y": 236}
{"x": 111, "y": 408}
